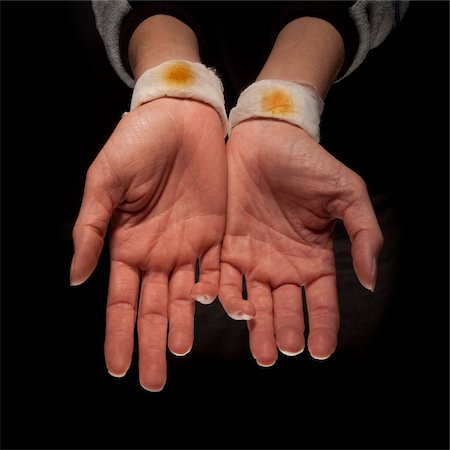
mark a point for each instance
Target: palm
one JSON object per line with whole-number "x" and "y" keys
{"x": 284, "y": 194}
{"x": 173, "y": 209}
{"x": 163, "y": 178}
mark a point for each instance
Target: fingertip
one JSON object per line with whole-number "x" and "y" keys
{"x": 369, "y": 286}
{"x": 239, "y": 315}
{"x": 153, "y": 387}
{"x": 366, "y": 248}
{"x": 117, "y": 374}
{"x": 366, "y": 272}
{"x": 322, "y": 345}
{"x": 265, "y": 364}
{"x": 75, "y": 281}
{"x": 204, "y": 299}
{"x": 240, "y": 309}
{"x": 117, "y": 365}
{"x": 266, "y": 357}
{"x": 180, "y": 349}
{"x": 374, "y": 273}
{"x": 204, "y": 292}
{"x": 84, "y": 262}
{"x": 117, "y": 358}
{"x": 78, "y": 279}
{"x": 180, "y": 354}
{"x": 264, "y": 350}
{"x": 76, "y": 276}
{"x": 290, "y": 341}
{"x": 321, "y": 357}
{"x": 87, "y": 250}
{"x": 179, "y": 343}
{"x": 151, "y": 383}
{"x": 290, "y": 354}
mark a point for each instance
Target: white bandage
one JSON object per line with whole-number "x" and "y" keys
{"x": 181, "y": 79}
{"x": 294, "y": 102}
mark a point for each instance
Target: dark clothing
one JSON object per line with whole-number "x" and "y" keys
{"x": 238, "y": 32}
{"x": 236, "y": 37}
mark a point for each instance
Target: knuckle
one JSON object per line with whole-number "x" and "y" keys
{"x": 152, "y": 317}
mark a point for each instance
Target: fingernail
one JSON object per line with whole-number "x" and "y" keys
{"x": 287, "y": 353}
{"x": 181, "y": 354}
{"x": 370, "y": 286}
{"x": 239, "y": 315}
{"x": 159, "y": 389}
{"x": 374, "y": 273}
{"x": 265, "y": 365}
{"x": 75, "y": 279}
{"x": 204, "y": 299}
{"x": 117, "y": 375}
{"x": 321, "y": 358}
{"x": 72, "y": 282}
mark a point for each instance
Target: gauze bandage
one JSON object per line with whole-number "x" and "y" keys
{"x": 181, "y": 79}
{"x": 294, "y": 102}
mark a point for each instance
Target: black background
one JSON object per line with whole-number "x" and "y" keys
{"x": 60, "y": 100}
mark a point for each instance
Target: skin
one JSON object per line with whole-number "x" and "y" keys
{"x": 285, "y": 192}
{"x": 152, "y": 182}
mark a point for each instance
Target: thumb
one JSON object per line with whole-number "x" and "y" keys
{"x": 92, "y": 222}
{"x": 367, "y": 239}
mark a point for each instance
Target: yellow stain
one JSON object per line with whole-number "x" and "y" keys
{"x": 179, "y": 74}
{"x": 277, "y": 102}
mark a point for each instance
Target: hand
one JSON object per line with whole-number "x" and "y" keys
{"x": 284, "y": 193}
{"x": 162, "y": 178}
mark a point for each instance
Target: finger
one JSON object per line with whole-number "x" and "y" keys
{"x": 230, "y": 294}
{"x": 288, "y": 319}
{"x": 181, "y": 311}
{"x": 120, "y": 317}
{"x": 205, "y": 291}
{"x": 323, "y": 316}
{"x": 367, "y": 239}
{"x": 261, "y": 329}
{"x": 152, "y": 331}
{"x": 92, "y": 222}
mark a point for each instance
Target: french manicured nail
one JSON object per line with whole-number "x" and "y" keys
{"x": 239, "y": 315}
{"x": 203, "y": 298}
{"x": 152, "y": 389}
{"x": 73, "y": 282}
{"x": 321, "y": 358}
{"x": 370, "y": 285}
{"x": 287, "y": 353}
{"x": 117, "y": 375}
{"x": 265, "y": 365}
{"x": 181, "y": 354}
{"x": 374, "y": 273}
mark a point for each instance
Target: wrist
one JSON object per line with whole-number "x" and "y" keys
{"x": 297, "y": 103}
{"x": 183, "y": 80}
{"x": 158, "y": 39}
{"x": 307, "y": 49}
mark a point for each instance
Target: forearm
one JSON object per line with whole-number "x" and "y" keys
{"x": 307, "y": 49}
{"x": 158, "y": 39}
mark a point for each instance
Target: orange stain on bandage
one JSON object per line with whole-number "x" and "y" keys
{"x": 179, "y": 74}
{"x": 277, "y": 102}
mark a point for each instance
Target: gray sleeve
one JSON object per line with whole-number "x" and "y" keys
{"x": 109, "y": 15}
{"x": 374, "y": 21}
